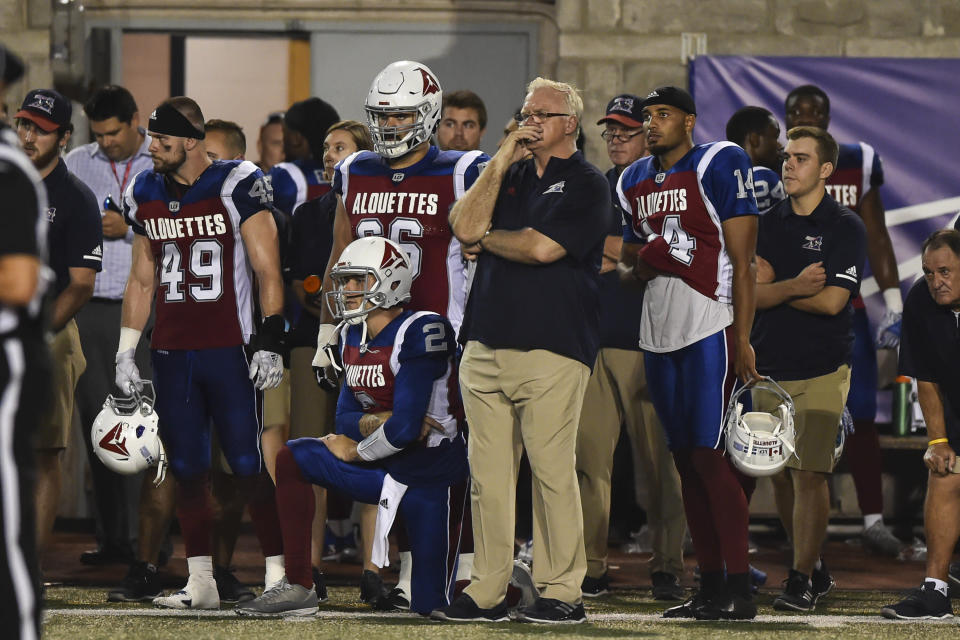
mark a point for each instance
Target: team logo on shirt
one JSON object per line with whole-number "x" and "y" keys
{"x": 849, "y": 274}
{"x": 814, "y": 243}
{"x": 365, "y": 399}
{"x": 174, "y": 206}
{"x": 555, "y": 188}
{"x": 51, "y": 214}
{"x": 660, "y": 177}
{"x": 398, "y": 177}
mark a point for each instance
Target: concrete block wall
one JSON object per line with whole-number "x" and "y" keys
{"x": 25, "y": 28}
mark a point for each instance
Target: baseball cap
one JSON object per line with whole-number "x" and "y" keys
{"x": 624, "y": 109}
{"x": 11, "y": 66}
{"x": 672, "y": 96}
{"x": 46, "y": 108}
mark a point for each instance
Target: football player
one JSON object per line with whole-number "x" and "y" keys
{"x": 856, "y": 184}
{"x": 200, "y": 227}
{"x": 691, "y": 237}
{"x": 398, "y": 443}
{"x": 758, "y": 132}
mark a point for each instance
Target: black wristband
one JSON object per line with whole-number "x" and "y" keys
{"x": 271, "y": 337}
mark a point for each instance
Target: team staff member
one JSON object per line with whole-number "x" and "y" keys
{"x": 24, "y": 370}
{"x": 75, "y": 240}
{"x": 537, "y": 227}
{"x": 122, "y": 503}
{"x": 617, "y": 394}
{"x": 929, "y": 352}
{"x": 856, "y": 183}
{"x": 463, "y": 121}
{"x": 811, "y": 252}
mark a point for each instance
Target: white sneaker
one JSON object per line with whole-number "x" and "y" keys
{"x": 200, "y": 593}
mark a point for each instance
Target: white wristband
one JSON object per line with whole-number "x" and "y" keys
{"x": 891, "y": 297}
{"x": 129, "y": 339}
{"x": 376, "y": 446}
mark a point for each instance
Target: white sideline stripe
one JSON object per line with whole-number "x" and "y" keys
{"x": 816, "y": 621}
{"x": 903, "y": 215}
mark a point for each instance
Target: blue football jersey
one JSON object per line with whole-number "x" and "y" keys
{"x": 767, "y": 187}
{"x": 296, "y": 182}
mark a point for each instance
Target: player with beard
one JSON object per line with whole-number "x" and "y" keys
{"x": 758, "y": 132}
{"x": 200, "y": 229}
{"x": 856, "y": 184}
{"x": 691, "y": 237}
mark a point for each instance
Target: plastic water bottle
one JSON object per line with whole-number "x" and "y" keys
{"x": 901, "y": 406}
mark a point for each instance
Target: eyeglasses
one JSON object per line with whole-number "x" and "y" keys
{"x": 610, "y": 136}
{"x": 537, "y": 116}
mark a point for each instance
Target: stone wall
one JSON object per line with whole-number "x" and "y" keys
{"x": 25, "y": 29}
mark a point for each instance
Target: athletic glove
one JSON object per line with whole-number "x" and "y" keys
{"x": 266, "y": 366}
{"x": 325, "y": 360}
{"x": 888, "y": 335}
{"x": 127, "y": 377}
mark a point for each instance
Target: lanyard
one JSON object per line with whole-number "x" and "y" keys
{"x": 126, "y": 175}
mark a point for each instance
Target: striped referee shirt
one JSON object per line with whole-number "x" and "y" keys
{"x": 108, "y": 178}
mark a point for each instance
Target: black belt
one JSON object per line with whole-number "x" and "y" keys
{"x": 107, "y": 300}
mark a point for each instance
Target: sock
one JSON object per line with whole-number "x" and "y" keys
{"x": 295, "y": 506}
{"x": 739, "y": 584}
{"x": 711, "y": 582}
{"x": 871, "y": 519}
{"x": 699, "y": 521}
{"x": 195, "y": 514}
{"x": 200, "y": 567}
{"x": 274, "y": 570}
{"x": 406, "y": 573}
{"x": 862, "y": 453}
{"x": 819, "y": 564}
{"x": 464, "y": 566}
{"x": 728, "y": 507}
{"x": 263, "y": 514}
{"x": 939, "y": 585}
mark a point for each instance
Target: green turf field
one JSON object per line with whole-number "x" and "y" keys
{"x": 81, "y": 613}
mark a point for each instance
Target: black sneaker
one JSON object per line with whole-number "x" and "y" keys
{"x": 320, "y": 585}
{"x": 229, "y": 588}
{"x": 372, "y": 587}
{"x": 797, "y": 594}
{"x": 729, "y": 607}
{"x": 925, "y": 603}
{"x": 821, "y": 582}
{"x": 551, "y": 611}
{"x": 142, "y": 584}
{"x": 394, "y": 600}
{"x": 593, "y": 587}
{"x": 464, "y": 609}
{"x": 689, "y": 608}
{"x": 666, "y": 586}
{"x": 953, "y": 580}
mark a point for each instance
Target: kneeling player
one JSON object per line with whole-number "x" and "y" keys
{"x": 397, "y": 444}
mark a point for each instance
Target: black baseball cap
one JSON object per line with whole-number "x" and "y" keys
{"x": 47, "y": 109}
{"x": 672, "y": 96}
{"x": 11, "y": 66}
{"x": 624, "y": 109}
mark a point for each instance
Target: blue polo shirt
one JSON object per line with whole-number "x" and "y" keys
{"x": 554, "y": 306}
{"x": 793, "y": 344}
{"x": 76, "y": 230}
{"x": 619, "y": 307}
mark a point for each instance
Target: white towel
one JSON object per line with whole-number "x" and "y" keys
{"x": 390, "y": 495}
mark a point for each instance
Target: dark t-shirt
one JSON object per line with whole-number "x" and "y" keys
{"x": 619, "y": 308}
{"x": 796, "y": 345}
{"x": 930, "y": 350}
{"x": 311, "y": 239}
{"x": 76, "y": 230}
{"x": 553, "y": 306}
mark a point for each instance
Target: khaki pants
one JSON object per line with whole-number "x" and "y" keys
{"x": 68, "y": 364}
{"x": 617, "y": 394}
{"x": 532, "y": 399}
{"x": 312, "y": 410}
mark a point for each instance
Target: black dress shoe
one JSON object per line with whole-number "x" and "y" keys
{"x": 107, "y": 555}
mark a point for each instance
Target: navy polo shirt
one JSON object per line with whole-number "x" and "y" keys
{"x": 619, "y": 307}
{"x": 75, "y": 237}
{"x": 311, "y": 240}
{"x": 793, "y": 344}
{"x": 930, "y": 350}
{"x": 554, "y": 306}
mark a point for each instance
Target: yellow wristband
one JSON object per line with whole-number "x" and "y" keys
{"x": 937, "y": 441}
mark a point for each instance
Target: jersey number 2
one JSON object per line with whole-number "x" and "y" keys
{"x": 204, "y": 262}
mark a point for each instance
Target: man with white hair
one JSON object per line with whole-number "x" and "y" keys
{"x": 536, "y": 228}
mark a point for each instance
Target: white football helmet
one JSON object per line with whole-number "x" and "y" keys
{"x": 403, "y": 87}
{"x": 760, "y": 443}
{"x": 385, "y": 268}
{"x": 124, "y": 434}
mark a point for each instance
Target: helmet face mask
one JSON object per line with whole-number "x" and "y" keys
{"x": 759, "y": 443}
{"x": 409, "y": 88}
{"x": 385, "y": 271}
{"x": 125, "y": 435}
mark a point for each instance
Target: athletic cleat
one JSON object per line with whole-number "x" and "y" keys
{"x": 551, "y": 611}
{"x": 821, "y": 581}
{"x": 666, "y": 586}
{"x": 880, "y": 540}
{"x": 198, "y": 594}
{"x": 522, "y": 580}
{"x": 229, "y": 588}
{"x": 925, "y": 603}
{"x": 689, "y": 608}
{"x": 282, "y": 599}
{"x": 728, "y": 607}
{"x": 142, "y": 584}
{"x": 593, "y": 587}
{"x": 525, "y": 553}
{"x": 464, "y": 609}
{"x": 319, "y": 585}
{"x": 394, "y": 600}
{"x": 953, "y": 580}
{"x": 372, "y": 587}
{"x": 797, "y": 594}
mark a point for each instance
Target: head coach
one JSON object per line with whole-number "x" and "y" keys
{"x": 536, "y": 227}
